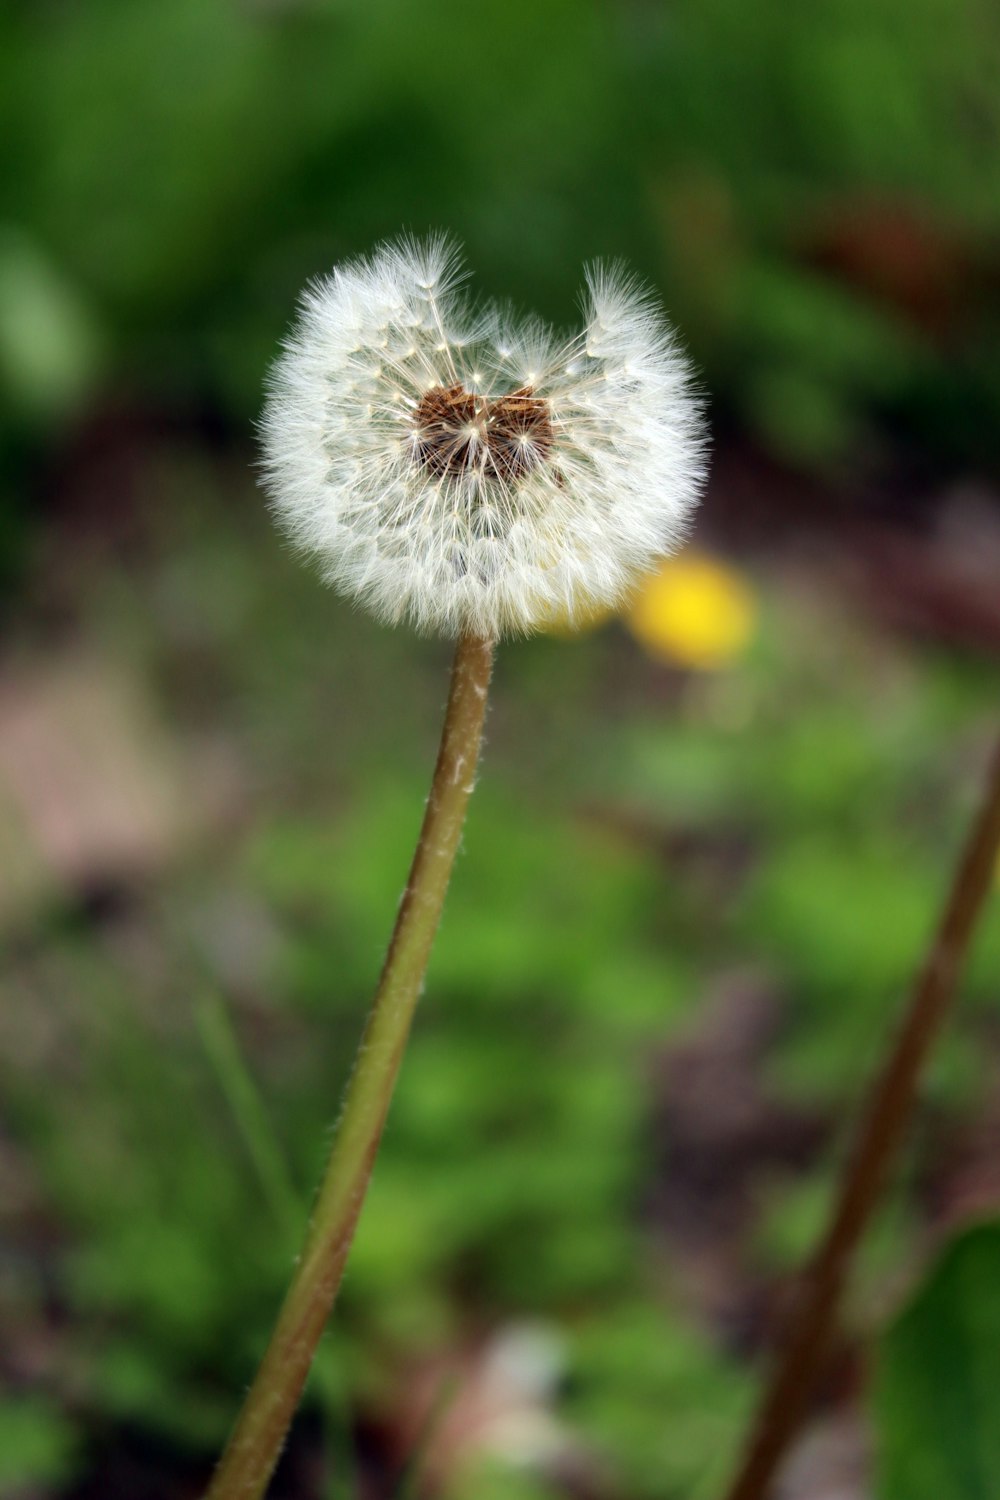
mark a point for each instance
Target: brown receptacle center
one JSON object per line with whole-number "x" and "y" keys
{"x": 458, "y": 433}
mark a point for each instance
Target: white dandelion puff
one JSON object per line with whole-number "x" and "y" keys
{"x": 467, "y": 470}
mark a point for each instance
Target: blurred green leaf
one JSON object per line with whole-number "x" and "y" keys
{"x": 936, "y": 1399}
{"x": 50, "y": 348}
{"x": 38, "y": 1443}
{"x": 651, "y": 1391}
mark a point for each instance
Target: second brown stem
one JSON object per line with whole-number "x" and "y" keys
{"x": 791, "y": 1384}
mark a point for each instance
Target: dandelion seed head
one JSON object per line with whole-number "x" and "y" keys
{"x": 469, "y": 471}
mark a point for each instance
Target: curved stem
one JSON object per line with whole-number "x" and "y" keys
{"x": 253, "y": 1449}
{"x": 802, "y": 1351}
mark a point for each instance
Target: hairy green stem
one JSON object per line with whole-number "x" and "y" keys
{"x": 801, "y": 1354}
{"x": 254, "y": 1447}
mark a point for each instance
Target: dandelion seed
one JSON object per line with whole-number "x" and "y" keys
{"x": 475, "y": 475}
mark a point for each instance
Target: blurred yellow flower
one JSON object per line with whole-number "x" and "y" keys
{"x": 695, "y": 611}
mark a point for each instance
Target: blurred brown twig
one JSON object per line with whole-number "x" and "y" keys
{"x": 801, "y": 1353}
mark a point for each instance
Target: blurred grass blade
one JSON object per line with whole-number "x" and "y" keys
{"x": 243, "y": 1097}
{"x": 408, "y": 1486}
{"x": 239, "y": 1087}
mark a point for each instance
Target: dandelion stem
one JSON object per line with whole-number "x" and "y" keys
{"x": 802, "y": 1352}
{"x": 253, "y": 1449}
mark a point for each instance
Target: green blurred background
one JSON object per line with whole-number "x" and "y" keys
{"x": 709, "y": 839}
